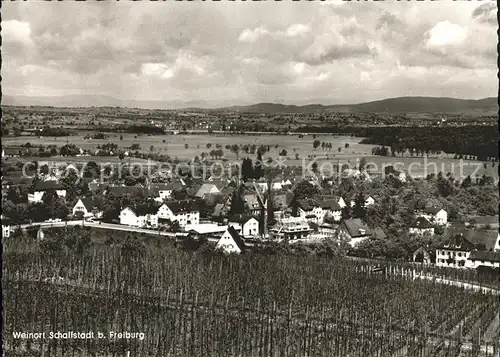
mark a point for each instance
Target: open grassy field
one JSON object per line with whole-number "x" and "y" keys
{"x": 175, "y": 147}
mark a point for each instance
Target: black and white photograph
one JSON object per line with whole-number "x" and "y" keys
{"x": 250, "y": 179}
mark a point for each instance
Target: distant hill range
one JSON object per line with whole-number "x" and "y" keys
{"x": 391, "y": 105}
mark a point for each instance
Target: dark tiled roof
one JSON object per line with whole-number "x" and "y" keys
{"x": 421, "y": 223}
{"x": 484, "y": 219}
{"x": 237, "y": 239}
{"x": 98, "y": 187}
{"x": 458, "y": 242}
{"x": 330, "y": 204}
{"x": 47, "y": 185}
{"x": 144, "y": 209}
{"x": 241, "y": 218}
{"x": 182, "y": 206}
{"x": 432, "y": 210}
{"x": 120, "y": 191}
{"x": 484, "y": 239}
{"x": 354, "y": 227}
{"x": 89, "y": 203}
{"x": 485, "y": 256}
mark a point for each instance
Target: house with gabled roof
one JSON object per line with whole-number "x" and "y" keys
{"x": 231, "y": 242}
{"x": 331, "y": 208}
{"x": 281, "y": 204}
{"x": 249, "y": 226}
{"x": 391, "y": 171}
{"x": 421, "y": 226}
{"x": 252, "y": 204}
{"x": 88, "y": 207}
{"x": 141, "y": 215}
{"x": 309, "y": 210}
{"x": 435, "y": 215}
{"x": 460, "y": 244}
{"x": 354, "y": 231}
{"x": 41, "y": 187}
{"x": 186, "y": 212}
{"x": 479, "y": 258}
{"x": 163, "y": 191}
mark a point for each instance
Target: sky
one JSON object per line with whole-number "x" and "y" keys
{"x": 328, "y": 52}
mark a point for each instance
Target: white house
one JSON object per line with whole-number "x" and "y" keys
{"x": 42, "y": 187}
{"x": 248, "y": 226}
{"x": 5, "y": 231}
{"x": 369, "y": 201}
{"x": 184, "y": 212}
{"x": 421, "y": 226}
{"x": 310, "y": 210}
{"x": 141, "y": 216}
{"x": 88, "y": 207}
{"x": 331, "y": 208}
{"x": 469, "y": 249}
{"x": 435, "y": 215}
{"x": 162, "y": 191}
{"x": 231, "y": 242}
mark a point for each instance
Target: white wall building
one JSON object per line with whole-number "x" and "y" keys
{"x": 142, "y": 216}
{"x": 88, "y": 208}
{"x": 435, "y": 215}
{"x": 249, "y": 226}
{"x": 231, "y": 242}
{"x": 184, "y": 212}
{"x": 6, "y": 231}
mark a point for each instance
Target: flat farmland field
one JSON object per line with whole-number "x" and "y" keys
{"x": 175, "y": 147}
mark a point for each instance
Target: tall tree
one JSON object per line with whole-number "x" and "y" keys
{"x": 259, "y": 166}
{"x": 247, "y": 171}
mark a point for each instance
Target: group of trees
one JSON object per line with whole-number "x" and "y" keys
{"x": 322, "y": 144}
{"x": 480, "y": 141}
